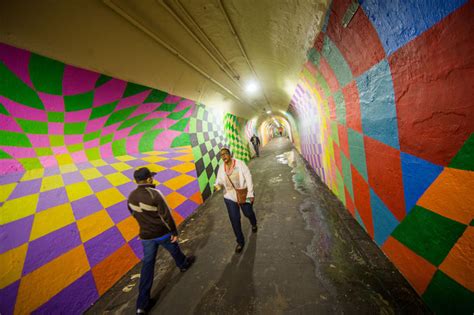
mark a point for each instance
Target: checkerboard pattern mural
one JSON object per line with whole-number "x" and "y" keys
{"x": 235, "y": 133}
{"x": 207, "y": 138}
{"x": 70, "y": 140}
{"x": 385, "y": 116}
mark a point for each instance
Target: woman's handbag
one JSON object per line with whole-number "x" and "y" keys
{"x": 241, "y": 193}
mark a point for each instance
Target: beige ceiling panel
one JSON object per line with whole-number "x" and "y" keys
{"x": 184, "y": 47}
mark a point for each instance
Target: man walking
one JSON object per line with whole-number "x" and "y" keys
{"x": 157, "y": 227}
{"x": 256, "y": 144}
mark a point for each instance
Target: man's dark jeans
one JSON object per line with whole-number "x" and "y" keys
{"x": 150, "y": 247}
{"x": 256, "y": 147}
{"x": 234, "y": 215}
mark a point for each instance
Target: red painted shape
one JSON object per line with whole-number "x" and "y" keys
{"x": 329, "y": 75}
{"x": 351, "y": 98}
{"x": 434, "y": 88}
{"x": 358, "y": 42}
{"x": 337, "y": 156}
{"x": 343, "y": 140}
{"x": 332, "y": 108}
{"x": 349, "y": 203}
{"x": 319, "y": 41}
{"x": 362, "y": 200}
{"x": 384, "y": 170}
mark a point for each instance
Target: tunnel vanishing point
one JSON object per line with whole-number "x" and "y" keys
{"x": 365, "y": 111}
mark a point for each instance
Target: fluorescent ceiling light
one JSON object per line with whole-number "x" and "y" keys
{"x": 252, "y": 87}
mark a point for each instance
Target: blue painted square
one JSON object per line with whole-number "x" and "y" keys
{"x": 384, "y": 221}
{"x": 418, "y": 175}
{"x": 377, "y": 104}
{"x": 399, "y": 21}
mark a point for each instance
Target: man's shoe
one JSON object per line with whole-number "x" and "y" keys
{"x": 140, "y": 311}
{"x": 189, "y": 262}
{"x": 239, "y": 248}
{"x": 254, "y": 229}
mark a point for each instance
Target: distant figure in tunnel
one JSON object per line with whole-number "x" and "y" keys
{"x": 157, "y": 227}
{"x": 235, "y": 176}
{"x": 256, "y": 144}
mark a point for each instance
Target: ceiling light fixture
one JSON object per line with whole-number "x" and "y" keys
{"x": 252, "y": 87}
{"x": 269, "y": 111}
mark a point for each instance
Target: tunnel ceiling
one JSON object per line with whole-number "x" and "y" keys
{"x": 203, "y": 50}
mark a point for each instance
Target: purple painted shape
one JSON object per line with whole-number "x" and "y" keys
{"x": 73, "y": 177}
{"x": 164, "y": 190}
{"x": 74, "y": 299}
{"x": 118, "y": 212}
{"x": 103, "y": 245}
{"x": 26, "y": 188}
{"x": 129, "y": 173}
{"x": 107, "y": 169}
{"x": 15, "y": 233}
{"x": 133, "y": 100}
{"x": 84, "y": 165}
{"x": 170, "y": 163}
{"x": 99, "y": 184}
{"x": 137, "y": 247}
{"x": 186, "y": 208}
{"x": 165, "y": 175}
{"x": 127, "y": 188}
{"x": 8, "y": 298}
{"x": 53, "y": 103}
{"x": 51, "y": 171}
{"x": 86, "y": 206}
{"x": 52, "y": 198}
{"x": 137, "y": 163}
{"x": 77, "y": 81}
{"x": 192, "y": 173}
{"x": 109, "y": 92}
{"x": 52, "y": 245}
{"x": 17, "y": 61}
{"x": 189, "y": 189}
{"x": 10, "y": 178}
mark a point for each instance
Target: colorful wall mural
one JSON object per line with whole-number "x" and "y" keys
{"x": 70, "y": 140}
{"x": 393, "y": 93}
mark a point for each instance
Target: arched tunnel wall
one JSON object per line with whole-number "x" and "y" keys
{"x": 70, "y": 140}
{"x": 385, "y": 113}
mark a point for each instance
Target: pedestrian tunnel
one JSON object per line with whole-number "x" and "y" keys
{"x": 375, "y": 97}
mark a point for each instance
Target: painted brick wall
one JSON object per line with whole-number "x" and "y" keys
{"x": 70, "y": 140}
{"x": 392, "y": 95}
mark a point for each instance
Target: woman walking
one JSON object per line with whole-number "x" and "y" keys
{"x": 235, "y": 176}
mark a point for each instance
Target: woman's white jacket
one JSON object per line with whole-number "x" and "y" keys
{"x": 245, "y": 180}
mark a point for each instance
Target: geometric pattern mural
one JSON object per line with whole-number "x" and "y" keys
{"x": 395, "y": 142}
{"x": 79, "y": 115}
{"x": 70, "y": 140}
{"x": 207, "y": 138}
{"x": 77, "y": 216}
{"x": 235, "y": 134}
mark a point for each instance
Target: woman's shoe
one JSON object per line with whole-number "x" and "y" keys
{"x": 239, "y": 248}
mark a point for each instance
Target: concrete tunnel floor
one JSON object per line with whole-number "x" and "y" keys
{"x": 309, "y": 256}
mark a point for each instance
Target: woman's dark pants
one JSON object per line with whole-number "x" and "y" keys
{"x": 234, "y": 215}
